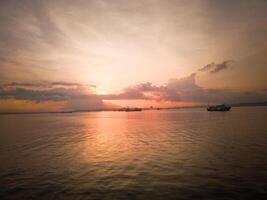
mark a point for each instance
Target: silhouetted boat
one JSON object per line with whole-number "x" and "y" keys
{"x": 133, "y": 109}
{"x": 221, "y": 108}
{"x": 130, "y": 109}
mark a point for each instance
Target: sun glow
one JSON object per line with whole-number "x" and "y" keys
{"x": 101, "y": 92}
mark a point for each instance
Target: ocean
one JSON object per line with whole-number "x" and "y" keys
{"x": 164, "y": 154}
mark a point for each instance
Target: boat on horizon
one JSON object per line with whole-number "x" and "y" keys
{"x": 221, "y": 108}
{"x": 130, "y": 109}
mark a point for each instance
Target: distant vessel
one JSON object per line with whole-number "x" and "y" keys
{"x": 130, "y": 109}
{"x": 221, "y": 108}
{"x": 133, "y": 109}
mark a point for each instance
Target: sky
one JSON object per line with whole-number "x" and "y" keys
{"x": 98, "y": 54}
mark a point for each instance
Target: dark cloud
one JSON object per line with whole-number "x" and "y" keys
{"x": 46, "y": 84}
{"x": 76, "y": 96}
{"x": 214, "y": 68}
{"x": 175, "y": 90}
{"x": 145, "y": 91}
{"x": 186, "y": 89}
{"x": 36, "y": 95}
{"x": 15, "y": 84}
{"x": 72, "y": 84}
{"x": 53, "y": 94}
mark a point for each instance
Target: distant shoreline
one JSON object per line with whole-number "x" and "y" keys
{"x": 253, "y": 104}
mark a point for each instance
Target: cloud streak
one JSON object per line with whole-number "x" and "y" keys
{"x": 44, "y": 84}
{"x": 215, "y": 68}
{"x": 74, "y": 95}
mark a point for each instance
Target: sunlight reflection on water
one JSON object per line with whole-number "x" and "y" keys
{"x": 144, "y": 155}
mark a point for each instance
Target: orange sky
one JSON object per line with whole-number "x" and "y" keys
{"x": 119, "y": 45}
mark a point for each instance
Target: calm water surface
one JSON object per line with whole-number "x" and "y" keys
{"x": 183, "y": 154}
